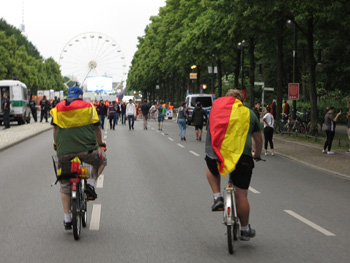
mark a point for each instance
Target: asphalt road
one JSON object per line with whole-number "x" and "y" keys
{"x": 154, "y": 206}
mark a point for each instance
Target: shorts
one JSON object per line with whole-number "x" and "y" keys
{"x": 160, "y": 118}
{"x": 198, "y": 127}
{"x": 241, "y": 176}
{"x": 97, "y": 159}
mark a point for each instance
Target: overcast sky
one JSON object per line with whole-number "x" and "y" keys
{"x": 50, "y": 24}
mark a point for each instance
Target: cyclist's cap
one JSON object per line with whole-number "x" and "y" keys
{"x": 74, "y": 92}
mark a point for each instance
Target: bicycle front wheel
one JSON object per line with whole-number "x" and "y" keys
{"x": 83, "y": 207}
{"x": 76, "y": 217}
{"x": 230, "y": 238}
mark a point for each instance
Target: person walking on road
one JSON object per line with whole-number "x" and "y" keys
{"x": 44, "y": 105}
{"x": 229, "y": 151}
{"x": 123, "y": 113}
{"x": 131, "y": 113}
{"x": 5, "y": 104}
{"x": 268, "y": 129}
{"x": 77, "y": 133}
{"x": 348, "y": 128}
{"x": 111, "y": 113}
{"x": 330, "y": 123}
{"x": 145, "y": 110}
{"x": 181, "y": 120}
{"x": 198, "y": 117}
{"x": 102, "y": 112}
{"x": 161, "y": 113}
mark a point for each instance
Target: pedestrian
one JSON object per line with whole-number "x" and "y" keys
{"x": 111, "y": 113}
{"x": 76, "y": 133}
{"x": 5, "y": 104}
{"x": 268, "y": 129}
{"x": 198, "y": 117}
{"x": 131, "y": 112}
{"x": 55, "y": 102}
{"x": 330, "y": 123}
{"x": 117, "y": 110}
{"x": 123, "y": 113}
{"x": 161, "y": 114}
{"x": 229, "y": 151}
{"x": 348, "y": 116}
{"x": 102, "y": 112}
{"x": 181, "y": 120}
{"x": 145, "y": 110}
{"x": 256, "y": 109}
{"x": 285, "y": 108}
{"x": 44, "y": 105}
{"x": 32, "y": 105}
{"x": 273, "y": 108}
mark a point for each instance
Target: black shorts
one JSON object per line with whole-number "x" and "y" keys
{"x": 198, "y": 127}
{"x": 241, "y": 176}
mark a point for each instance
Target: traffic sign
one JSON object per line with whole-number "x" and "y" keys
{"x": 259, "y": 83}
{"x": 193, "y": 75}
{"x": 293, "y": 91}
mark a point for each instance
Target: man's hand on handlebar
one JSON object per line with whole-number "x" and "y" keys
{"x": 103, "y": 146}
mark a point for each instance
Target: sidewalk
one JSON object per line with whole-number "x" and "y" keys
{"x": 311, "y": 154}
{"x": 308, "y": 153}
{"x": 19, "y": 133}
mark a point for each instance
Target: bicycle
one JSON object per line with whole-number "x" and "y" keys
{"x": 230, "y": 214}
{"x": 77, "y": 173}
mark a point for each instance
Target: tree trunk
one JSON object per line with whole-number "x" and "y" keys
{"x": 311, "y": 64}
{"x": 251, "y": 49}
{"x": 280, "y": 69}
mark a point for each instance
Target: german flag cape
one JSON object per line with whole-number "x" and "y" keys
{"x": 78, "y": 113}
{"x": 229, "y": 125}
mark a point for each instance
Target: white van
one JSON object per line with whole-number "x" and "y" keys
{"x": 206, "y": 101}
{"x": 18, "y": 94}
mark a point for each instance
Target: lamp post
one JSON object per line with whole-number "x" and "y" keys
{"x": 242, "y": 45}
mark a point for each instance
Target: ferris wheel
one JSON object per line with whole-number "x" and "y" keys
{"x": 92, "y": 54}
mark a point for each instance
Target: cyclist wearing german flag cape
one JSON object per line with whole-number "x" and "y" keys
{"x": 77, "y": 133}
{"x": 229, "y": 151}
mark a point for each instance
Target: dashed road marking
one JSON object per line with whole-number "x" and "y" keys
{"x": 99, "y": 183}
{"x": 181, "y": 145}
{"x": 194, "y": 153}
{"x": 171, "y": 139}
{"x": 253, "y": 190}
{"x": 95, "y": 217}
{"x": 105, "y": 137}
{"x": 309, "y": 223}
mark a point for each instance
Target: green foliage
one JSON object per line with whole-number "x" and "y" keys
{"x": 21, "y": 60}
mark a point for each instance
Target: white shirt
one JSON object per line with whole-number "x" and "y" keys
{"x": 269, "y": 119}
{"x": 130, "y": 109}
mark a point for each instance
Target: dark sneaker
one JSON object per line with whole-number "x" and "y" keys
{"x": 246, "y": 235}
{"x": 184, "y": 138}
{"x": 90, "y": 191}
{"x": 218, "y": 204}
{"x": 67, "y": 226}
{"x": 200, "y": 138}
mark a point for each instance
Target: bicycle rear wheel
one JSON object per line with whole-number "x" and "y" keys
{"x": 83, "y": 208}
{"x": 229, "y": 221}
{"x": 76, "y": 216}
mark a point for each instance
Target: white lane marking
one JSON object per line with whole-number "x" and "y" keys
{"x": 152, "y": 128}
{"x": 254, "y": 190}
{"x": 105, "y": 132}
{"x": 181, "y": 145}
{"x": 95, "y": 217}
{"x": 105, "y": 137}
{"x": 171, "y": 139}
{"x": 99, "y": 183}
{"x": 157, "y": 130}
{"x": 195, "y": 154}
{"x": 309, "y": 223}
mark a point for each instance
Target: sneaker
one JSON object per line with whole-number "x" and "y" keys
{"x": 90, "y": 191}
{"x": 200, "y": 138}
{"x": 324, "y": 151}
{"x": 246, "y": 235}
{"x": 265, "y": 153}
{"x": 348, "y": 151}
{"x": 330, "y": 152}
{"x": 273, "y": 154}
{"x": 184, "y": 138}
{"x": 218, "y": 204}
{"x": 67, "y": 226}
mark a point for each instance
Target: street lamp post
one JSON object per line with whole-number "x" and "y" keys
{"x": 291, "y": 23}
{"x": 242, "y": 45}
